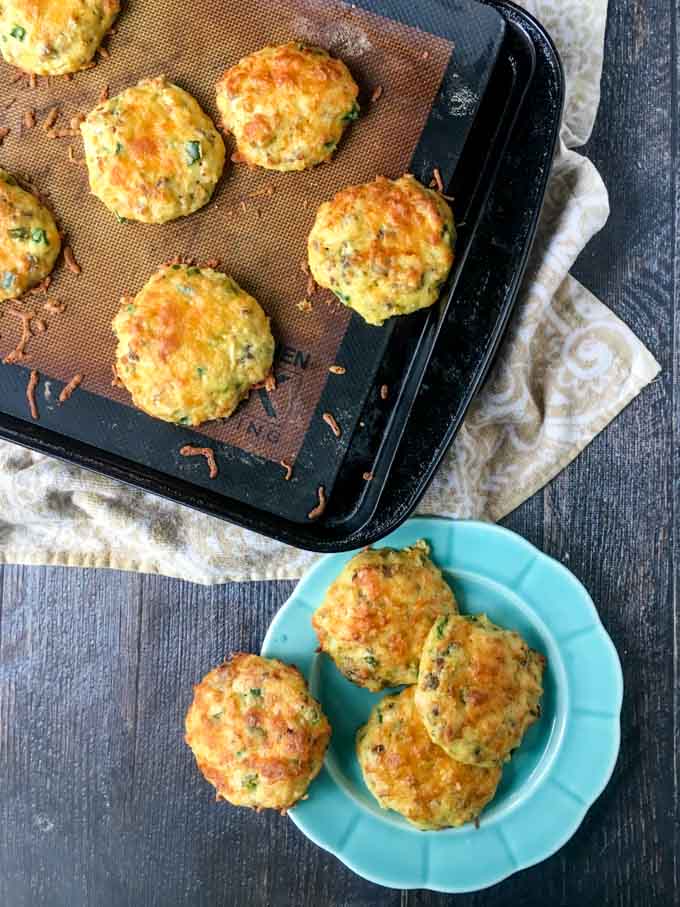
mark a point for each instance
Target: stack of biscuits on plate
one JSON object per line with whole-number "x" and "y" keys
{"x": 433, "y": 752}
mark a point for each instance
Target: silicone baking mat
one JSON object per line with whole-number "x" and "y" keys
{"x": 256, "y": 225}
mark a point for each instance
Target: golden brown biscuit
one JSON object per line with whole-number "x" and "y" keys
{"x": 191, "y": 345}
{"x": 376, "y": 615}
{"x": 29, "y": 239}
{"x": 384, "y": 248}
{"x": 152, "y": 154}
{"x": 405, "y": 771}
{"x": 257, "y": 734}
{"x": 52, "y": 37}
{"x": 478, "y": 689}
{"x": 287, "y": 106}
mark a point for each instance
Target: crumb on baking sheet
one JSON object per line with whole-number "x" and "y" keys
{"x": 4, "y": 132}
{"x": 317, "y": 511}
{"x": 367, "y": 477}
{"x": 55, "y": 305}
{"x": 337, "y": 369}
{"x": 72, "y": 157}
{"x": 175, "y": 260}
{"x": 263, "y": 192}
{"x": 29, "y": 118}
{"x": 70, "y": 260}
{"x": 30, "y": 393}
{"x": 40, "y": 289}
{"x": 69, "y": 388}
{"x": 304, "y": 305}
{"x": 64, "y": 133}
{"x": 19, "y": 350}
{"x": 437, "y": 183}
{"x": 51, "y": 118}
{"x": 190, "y": 451}
{"x": 384, "y": 392}
{"x": 377, "y": 93}
{"x": 269, "y": 384}
{"x": 329, "y": 419}
{"x": 115, "y": 382}
{"x": 288, "y": 468}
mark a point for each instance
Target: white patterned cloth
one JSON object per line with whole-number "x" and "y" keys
{"x": 568, "y": 366}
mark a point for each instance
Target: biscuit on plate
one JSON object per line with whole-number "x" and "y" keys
{"x": 257, "y": 734}
{"x": 405, "y": 771}
{"x": 376, "y": 615}
{"x": 191, "y": 345}
{"x": 479, "y": 688}
{"x": 152, "y": 154}
{"x": 53, "y": 37}
{"x": 384, "y": 248}
{"x": 29, "y": 239}
{"x": 287, "y": 106}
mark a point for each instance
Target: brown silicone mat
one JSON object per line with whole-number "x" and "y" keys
{"x": 257, "y": 222}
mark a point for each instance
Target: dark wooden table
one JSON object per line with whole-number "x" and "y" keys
{"x": 100, "y": 803}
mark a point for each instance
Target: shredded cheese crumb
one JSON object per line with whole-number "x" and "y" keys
{"x": 19, "y": 350}
{"x": 317, "y": 511}
{"x": 72, "y": 157}
{"x": 189, "y": 451}
{"x": 332, "y": 424}
{"x": 116, "y": 382}
{"x": 55, "y": 305}
{"x": 437, "y": 181}
{"x": 68, "y": 389}
{"x": 70, "y": 260}
{"x": 51, "y": 118}
{"x": 30, "y": 393}
{"x": 264, "y": 192}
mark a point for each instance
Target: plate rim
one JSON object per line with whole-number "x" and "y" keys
{"x": 452, "y": 526}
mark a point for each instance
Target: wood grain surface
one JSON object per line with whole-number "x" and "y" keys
{"x": 100, "y": 803}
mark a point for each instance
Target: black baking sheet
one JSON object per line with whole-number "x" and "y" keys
{"x": 475, "y": 33}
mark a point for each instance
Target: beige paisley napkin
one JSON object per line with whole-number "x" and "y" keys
{"x": 567, "y": 368}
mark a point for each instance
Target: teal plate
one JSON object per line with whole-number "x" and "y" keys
{"x": 565, "y": 759}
